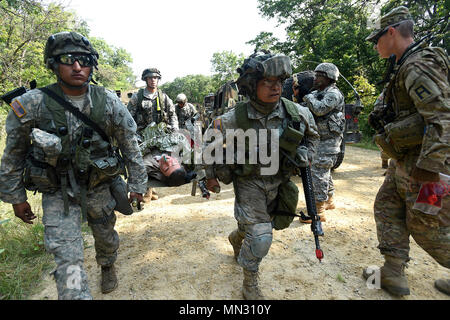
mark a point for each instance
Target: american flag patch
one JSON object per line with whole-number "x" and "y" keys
{"x": 18, "y": 108}
{"x": 217, "y": 124}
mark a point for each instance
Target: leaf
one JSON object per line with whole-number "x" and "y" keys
{"x": 2, "y": 250}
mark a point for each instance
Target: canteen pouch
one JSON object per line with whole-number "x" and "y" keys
{"x": 286, "y": 205}
{"x": 380, "y": 141}
{"x": 290, "y": 140}
{"x": 119, "y": 191}
{"x": 39, "y": 176}
{"x": 407, "y": 133}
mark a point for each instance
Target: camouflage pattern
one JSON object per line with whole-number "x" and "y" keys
{"x": 329, "y": 69}
{"x": 159, "y": 137}
{"x": 255, "y": 195}
{"x": 67, "y": 42}
{"x": 149, "y": 110}
{"x": 47, "y": 146}
{"x": 420, "y": 85}
{"x": 327, "y": 106}
{"x": 63, "y": 233}
{"x": 150, "y": 72}
{"x": 377, "y": 107}
{"x": 185, "y": 113}
{"x": 392, "y": 18}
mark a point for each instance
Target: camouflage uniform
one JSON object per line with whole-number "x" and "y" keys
{"x": 418, "y": 89}
{"x": 63, "y": 232}
{"x": 327, "y": 107}
{"x": 255, "y": 192}
{"x": 185, "y": 113}
{"x": 146, "y": 112}
{"x": 62, "y": 235}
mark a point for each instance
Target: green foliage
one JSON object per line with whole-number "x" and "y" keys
{"x": 195, "y": 87}
{"x": 24, "y": 29}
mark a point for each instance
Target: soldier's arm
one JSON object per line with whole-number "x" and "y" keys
{"x": 427, "y": 84}
{"x": 321, "y": 107}
{"x": 13, "y": 160}
{"x": 125, "y": 135}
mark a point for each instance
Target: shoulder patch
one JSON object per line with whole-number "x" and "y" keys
{"x": 422, "y": 92}
{"x": 217, "y": 124}
{"x": 18, "y": 108}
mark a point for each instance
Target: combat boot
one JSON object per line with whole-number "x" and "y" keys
{"x": 236, "y": 239}
{"x": 154, "y": 195}
{"x": 320, "y": 206}
{"x": 393, "y": 278}
{"x": 443, "y": 285}
{"x": 109, "y": 279}
{"x": 250, "y": 288}
{"x": 329, "y": 204}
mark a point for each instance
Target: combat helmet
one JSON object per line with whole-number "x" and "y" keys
{"x": 150, "y": 72}
{"x": 329, "y": 69}
{"x": 67, "y": 42}
{"x": 181, "y": 98}
{"x": 259, "y": 65}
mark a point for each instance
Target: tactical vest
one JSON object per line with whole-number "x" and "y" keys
{"x": 289, "y": 140}
{"x": 85, "y": 162}
{"x": 161, "y": 115}
{"x": 407, "y": 129}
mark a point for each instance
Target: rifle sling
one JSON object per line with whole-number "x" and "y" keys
{"x": 77, "y": 113}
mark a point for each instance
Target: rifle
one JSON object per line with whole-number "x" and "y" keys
{"x": 9, "y": 96}
{"x": 202, "y": 185}
{"x": 308, "y": 189}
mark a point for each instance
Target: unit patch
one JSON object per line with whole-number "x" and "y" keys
{"x": 18, "y": 109}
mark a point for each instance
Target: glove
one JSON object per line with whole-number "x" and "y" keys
{"x": 423, "y": 175}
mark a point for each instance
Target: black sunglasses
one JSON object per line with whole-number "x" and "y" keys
{"x": 69, "y": 59}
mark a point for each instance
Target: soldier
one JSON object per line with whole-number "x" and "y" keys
{"x": 256, "y": 193}
{"x": 327, "y": 105}
{"x": 185, "y": 110}
{"x": 151, "y": 105}
{"x": 59, "y": 153}
{"x": 416, "y": 137}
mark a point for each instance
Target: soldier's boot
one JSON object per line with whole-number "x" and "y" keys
{"x": 443, "y": 285}
{"x": 236, "y": 239}
{"x": 320, "y": 206}
{"x": 329, "y": 204}
{"x": 250, "y": 288}
{"x": 154, "y": 195}
{"x": 393, "y": 278}
{"x": 109, "y": 279}
{"x": 148, "y": 194}
{"x": 384, "y": 164}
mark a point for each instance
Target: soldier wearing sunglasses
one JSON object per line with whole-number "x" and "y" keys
{"x": 55, "y": 152}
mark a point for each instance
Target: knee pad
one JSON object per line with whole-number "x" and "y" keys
{"x": 260, "y": 239}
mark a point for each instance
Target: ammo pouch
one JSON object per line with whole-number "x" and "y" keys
{"x": 290, "y": 140}
{"x": 387, "y": 148}
{"x": 405, "y": 134}
{"x": 287, "y": 200}
{"x": 39, "y": 176}
{"x": 104, "y": 170}
{"x": 119, "y": 191}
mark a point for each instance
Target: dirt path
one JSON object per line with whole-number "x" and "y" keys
{"x": 177, "y": 248}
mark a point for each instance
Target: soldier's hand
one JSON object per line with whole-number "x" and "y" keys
{"x": 213, "y": 185}
{"x": 424, "y": 176}
{"x": 135, "y": 195}
{"x": 23, "y": 211}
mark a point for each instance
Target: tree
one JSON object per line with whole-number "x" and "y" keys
{"x": 195, "y": 87}
{"x": 224, "y": 65}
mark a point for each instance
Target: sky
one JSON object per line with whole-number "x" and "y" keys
{"x": 178, "y": 37}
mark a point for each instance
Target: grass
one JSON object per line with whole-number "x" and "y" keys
{"x": 23, "y": 258}
{"x": 366, "y": 143}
